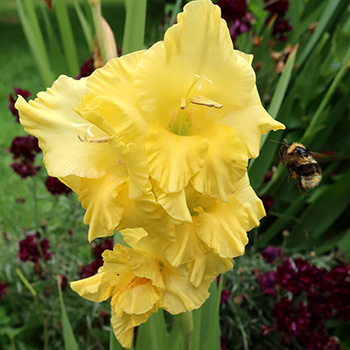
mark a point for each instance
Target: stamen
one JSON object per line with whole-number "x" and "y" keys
{"x": 85, "y": 139}
{"x": 183, "y": 103}
{"x": 203, "y": 101}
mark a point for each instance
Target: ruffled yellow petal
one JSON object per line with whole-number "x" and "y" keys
{"x": 140, "y": 299}
{"x": 134, "y": 159}
{"x": 145, "y": 212}
{"x": 253, "y": 205}
{"x": 52, "y": 119}
{"x": 208, "y": 267}
{"x": 250, "y": 122}
{"x": 123, "y": 324}
{"x": 180, "y": 295}
{"x": 223, "y": 227}
{"x": 95, "y": 288}
{"x": 110, "y": 95}
{"x": 224, "y": 165}
{"x": 144, "y": 265}
{"x": 173, "y": 159}
{"x": 187, "y": 245}
{"x": 173, "y": 203}
{"x": 103, "y": 210}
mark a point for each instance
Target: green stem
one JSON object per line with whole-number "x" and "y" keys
{"x": 185, "y": 323}
{"x": 35, "y": 203}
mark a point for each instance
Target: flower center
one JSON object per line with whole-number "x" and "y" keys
{"x": 181, "y": 119}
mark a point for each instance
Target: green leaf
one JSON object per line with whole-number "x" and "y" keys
{"x": 316, "y": 219}
{"x": 35, "y": 42}
{"x": 67, "y": 36}
{"x": 68, "y": 335}
{"x": 153, "y": 334}
{"x": 134, "y": 30}
{"x": 321, "y": 27}
{"x": 85, "y": 25}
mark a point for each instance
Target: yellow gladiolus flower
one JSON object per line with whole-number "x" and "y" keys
{"x": 184, "y": 113}
{"x": 140, "y": 281}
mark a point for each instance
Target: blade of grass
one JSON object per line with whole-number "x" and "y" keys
{"x": 85, "y": 25}
{"x": 56, "y": 55}
{"x": 134, "y": 30}
{"x": 65, "y": 28}
{"x": 176, "y": 10}
{"x": 36, "y": 45}
{"x": 68, "y": 335}
{"x": 319, "y": 118}
{"x": 321, "y": 26}
{"x": 259, "y": 167}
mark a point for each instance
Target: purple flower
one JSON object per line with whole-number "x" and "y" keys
{"x": 24, "y": 147}
{"x": 92, "y": 268}
{"x": 233, "y": 9}
{"x": 225, "y": 296}
{"x": 271, "y": 253}
{"x": 267, "y": 282}
{"x": 277, "y": 6}
{"x": 292, "y": 321}
{"x": 55, "y": 186}
{"x": 86, "y": 69}
{"x": 298, "y": 275}
{"x": 24, "y": 169}
{"x": 3, "y": 289}
{"x": 29, "y": 249}
{"x": 12, "y": 100}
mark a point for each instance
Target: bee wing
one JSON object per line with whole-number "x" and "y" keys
{"x": 326, "y": 157}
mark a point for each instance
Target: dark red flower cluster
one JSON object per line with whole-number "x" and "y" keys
{"x": 86, "y": 69}
{"x": 236, "y": 14}
{"x": 92, "y": 268}
{"x": 309, "y": 297}
{"x": 3, "y": 289}
{"x": 298, "y": 276}
{"x": 12, "y": 100}
{"x": 32, "y": 248}
{"x": 225, "y": 296}
{"x": 23, "y": 149}
{"x": 281, "y": 25}
{"x": 55, "y": 186}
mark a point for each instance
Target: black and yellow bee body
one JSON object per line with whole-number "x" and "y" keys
{"x": 301, "y": 166}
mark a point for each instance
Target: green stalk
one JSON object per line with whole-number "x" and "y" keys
{"x": 134, "y": 30}
{"x": 185, "y": 323}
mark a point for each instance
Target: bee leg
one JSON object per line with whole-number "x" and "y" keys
{"x": 300, "y": 187}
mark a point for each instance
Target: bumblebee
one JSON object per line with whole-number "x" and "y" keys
{"x": 301, "y": 166}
